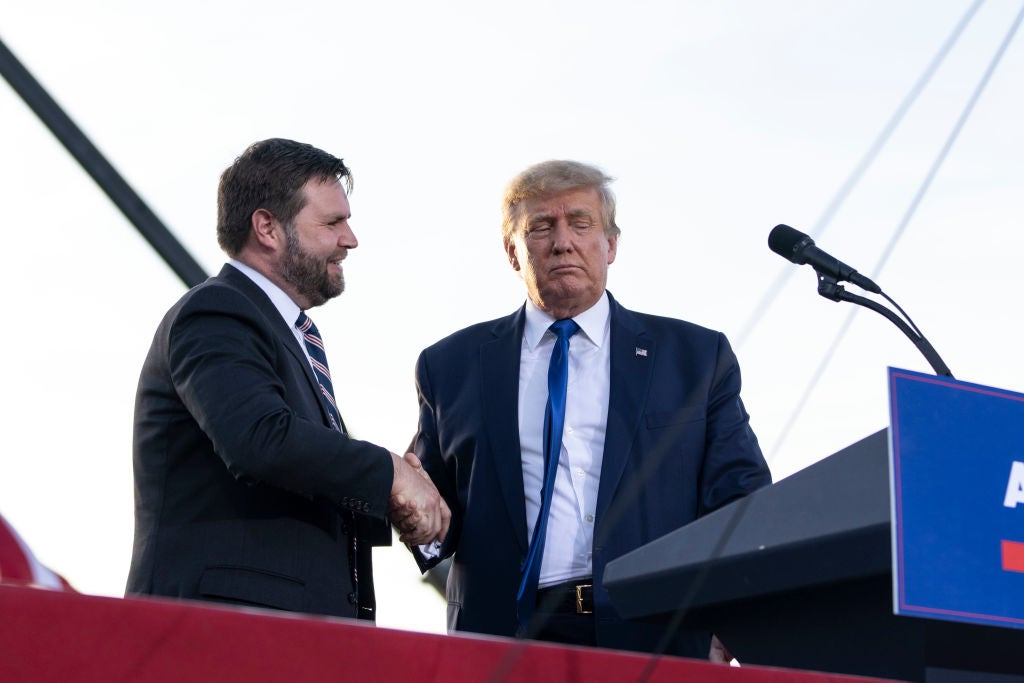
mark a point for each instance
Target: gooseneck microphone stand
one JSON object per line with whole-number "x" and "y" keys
{"x": 830, "y": 288}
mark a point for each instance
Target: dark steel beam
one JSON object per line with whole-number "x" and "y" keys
{"x": 96, "y": 165}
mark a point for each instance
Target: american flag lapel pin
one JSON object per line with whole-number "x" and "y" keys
{"x": 641, "y": 352}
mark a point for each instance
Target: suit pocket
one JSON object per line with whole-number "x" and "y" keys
{"x": 252, "y": 587}
{"x": 681, "y": 415}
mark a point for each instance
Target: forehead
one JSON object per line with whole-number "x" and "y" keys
{"x": 581, "y": 201}
{"x": 325, "y": 197}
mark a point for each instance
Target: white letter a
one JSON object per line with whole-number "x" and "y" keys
{"x": 1015, "y": 488}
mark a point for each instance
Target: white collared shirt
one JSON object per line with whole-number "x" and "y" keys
{"x": 570, "y": 531}
{"x": 288, "y": 309}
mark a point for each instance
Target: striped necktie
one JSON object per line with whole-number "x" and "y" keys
{"x": 554, "y": 421}
{"x": 318, "y": 358}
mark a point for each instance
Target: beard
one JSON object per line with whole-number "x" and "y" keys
{"x": 309, "y": 274}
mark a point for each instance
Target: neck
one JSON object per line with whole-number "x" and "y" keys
{"x": 264, "y": 267}
{"x": 563, "y": 310}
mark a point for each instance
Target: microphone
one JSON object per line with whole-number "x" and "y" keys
{"x": 795, "y": 246}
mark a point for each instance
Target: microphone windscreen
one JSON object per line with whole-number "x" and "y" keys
{"x": 788, "y": 243}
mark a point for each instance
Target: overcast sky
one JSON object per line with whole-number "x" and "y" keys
{"x": 719, "y": 119}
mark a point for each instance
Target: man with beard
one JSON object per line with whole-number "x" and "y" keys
{"x": 248, "y": 488}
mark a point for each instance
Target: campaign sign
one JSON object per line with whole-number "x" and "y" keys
{"x": 956, "y": 462}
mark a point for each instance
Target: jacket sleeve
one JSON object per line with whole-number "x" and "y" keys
{"x": 733, "y": 464}
{"x": 242, "y": 388}
{"x": 426, "y": 445}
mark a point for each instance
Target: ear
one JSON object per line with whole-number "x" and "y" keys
{"x": 266, "y": 229}
{"x": 613, "y": 243}
{"x": 510, "y": 251}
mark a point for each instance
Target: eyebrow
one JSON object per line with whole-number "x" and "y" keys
{"x": 578, "y": 213}
{"x": 549, "y": 215}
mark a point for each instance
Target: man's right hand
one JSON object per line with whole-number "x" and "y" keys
{"x": 417, "y": 509}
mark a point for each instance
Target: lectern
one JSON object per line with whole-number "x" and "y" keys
{"x": 798, "y": 575}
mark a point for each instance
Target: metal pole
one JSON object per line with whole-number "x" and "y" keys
{"x": 96, "y": 165}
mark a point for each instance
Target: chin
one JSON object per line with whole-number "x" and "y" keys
{"x": 566, "y": 292}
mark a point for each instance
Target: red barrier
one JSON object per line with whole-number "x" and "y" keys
{"x": 56, "y": 636}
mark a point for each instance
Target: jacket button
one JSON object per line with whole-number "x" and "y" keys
{"x": 366, "y": 507}
{"x": 351, "y": 598}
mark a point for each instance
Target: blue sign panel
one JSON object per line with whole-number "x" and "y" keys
{"x": 957, "y": 476}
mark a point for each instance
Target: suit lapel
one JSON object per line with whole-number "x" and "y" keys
{"x": 632, "y": 363}
{"x": 499, "y": 360}
{"x": 284, "y": 333}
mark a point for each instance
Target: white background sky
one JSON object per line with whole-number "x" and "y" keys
{"x": 719, "y": 119}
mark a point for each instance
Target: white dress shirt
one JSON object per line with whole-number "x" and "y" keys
{"x": 570, "y": 531}
{"x": 288, "y": 309}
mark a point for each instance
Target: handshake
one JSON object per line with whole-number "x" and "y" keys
{"x": 416, "y": 507}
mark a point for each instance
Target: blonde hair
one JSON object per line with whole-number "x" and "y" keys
{"x": 550, "y": 178}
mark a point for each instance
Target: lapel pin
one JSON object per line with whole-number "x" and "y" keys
{"x": 641, "y": 352}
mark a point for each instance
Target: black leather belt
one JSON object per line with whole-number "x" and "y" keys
{"x": 573, "y": 597}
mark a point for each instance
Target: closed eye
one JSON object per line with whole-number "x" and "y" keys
{"x": 538, "y": 230}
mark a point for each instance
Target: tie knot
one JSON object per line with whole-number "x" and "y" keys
{"x": 564, "y": 329}
{"x": 305, "y": 323}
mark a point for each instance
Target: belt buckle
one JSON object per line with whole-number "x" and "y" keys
{"x": 579, "y": 598}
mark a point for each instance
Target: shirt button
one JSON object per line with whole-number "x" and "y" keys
{"x": 580, "y": 472}
{"x": 590, "y": 518}
{"x": 569, "y": 430}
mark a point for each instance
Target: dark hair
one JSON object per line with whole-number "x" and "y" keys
{"x": 270, "y": 175}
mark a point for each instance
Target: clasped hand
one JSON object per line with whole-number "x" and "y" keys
{"x": 416, "y": 507}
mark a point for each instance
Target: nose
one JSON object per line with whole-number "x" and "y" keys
{"x": 561, "y": 237}
{"x": 347, "y": 238}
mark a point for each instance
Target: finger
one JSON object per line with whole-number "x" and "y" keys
{"x": 410, "y": 531}
{"x": 436, "y": 520}
{"x": 408, "y": 505}
{"x": 415, "y": 537}
{"x": 446, "y": 520}
{"x": 403, "y": 522}
{"x": 398, "y": 515}
{"x": 718, "y": 652}
{"x": 413, "y": 461}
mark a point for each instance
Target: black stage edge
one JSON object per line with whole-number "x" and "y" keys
{"x": 804, "y": 582}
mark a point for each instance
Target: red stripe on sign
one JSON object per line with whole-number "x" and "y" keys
{"x": 1013, "y": 556}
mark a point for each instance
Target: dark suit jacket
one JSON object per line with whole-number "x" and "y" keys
{"x": 243, "y": 492}
{"x": 678, "y": 445}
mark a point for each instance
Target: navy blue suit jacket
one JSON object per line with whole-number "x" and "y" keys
{"x": 678, "y": 445}
{"x": 244, "y": 493}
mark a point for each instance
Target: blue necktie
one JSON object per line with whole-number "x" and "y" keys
{"x": 554, "y": 421}
{"x": 318, "y": 357}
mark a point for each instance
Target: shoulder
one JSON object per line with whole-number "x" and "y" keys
{"x": 663, "y": 325}
{"x": 227, "y": 297}
{"x": 677, "y": 325}
{"x": 675, "y": 338}
{"x": 476, "y": 334}
{"x": 229, "y": 290}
